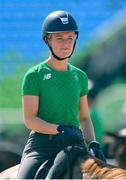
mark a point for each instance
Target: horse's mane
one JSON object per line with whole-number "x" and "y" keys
{"x": 96, "y": 169}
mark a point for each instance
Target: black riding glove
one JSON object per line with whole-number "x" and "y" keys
{"x": 95, "y": 150}
{"x": 68, "y": 132}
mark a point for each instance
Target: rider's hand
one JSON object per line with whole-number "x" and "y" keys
{"x": 68, "y": 132}
{"x": 95, "y": 150}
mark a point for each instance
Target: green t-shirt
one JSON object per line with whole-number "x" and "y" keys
{"x": 59, "y": 92}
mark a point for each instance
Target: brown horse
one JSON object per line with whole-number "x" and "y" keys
{"x": 84, "y": 166}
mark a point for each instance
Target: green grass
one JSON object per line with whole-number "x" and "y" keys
{"x": 11, "y": 120}
{"x": 10, "y": 88}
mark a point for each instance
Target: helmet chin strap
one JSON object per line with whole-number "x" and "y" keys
{"x": 59, "y": 58}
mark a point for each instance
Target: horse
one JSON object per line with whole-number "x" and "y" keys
{"x": 82, "y": 165}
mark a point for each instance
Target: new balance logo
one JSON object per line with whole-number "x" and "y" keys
{"x": 47, "y": 76}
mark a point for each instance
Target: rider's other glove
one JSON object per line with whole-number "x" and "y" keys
{"x": 95, "y": 150}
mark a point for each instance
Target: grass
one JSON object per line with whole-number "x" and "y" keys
{"x": 12, "y": 70}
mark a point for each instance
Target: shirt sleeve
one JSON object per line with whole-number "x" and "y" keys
{"x": 30, "y": 85}
{"x": 84, "y": 84}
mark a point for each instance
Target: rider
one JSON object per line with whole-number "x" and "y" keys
{"x": 54, "y": 95}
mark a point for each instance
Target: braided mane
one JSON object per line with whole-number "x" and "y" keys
{"x": 93, "y": 168}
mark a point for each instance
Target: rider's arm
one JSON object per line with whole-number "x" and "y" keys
{"x": 86, "y": 123}
{"x": 30, "y": 110}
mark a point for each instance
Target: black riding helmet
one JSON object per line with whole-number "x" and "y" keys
{"x": 56, "y": 22}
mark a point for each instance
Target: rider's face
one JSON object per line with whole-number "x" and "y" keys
{"x": 62, "y": 43}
